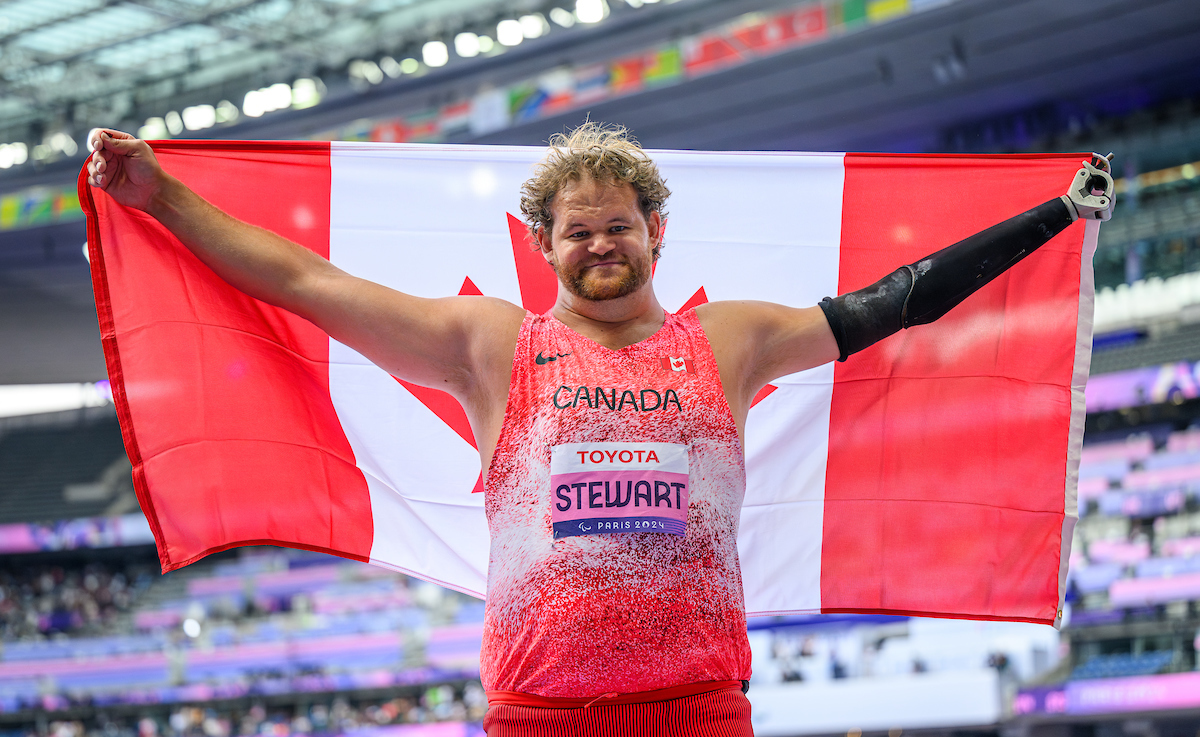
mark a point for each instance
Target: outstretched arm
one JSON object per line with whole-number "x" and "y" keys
{"x": 444, "y": 343}
{"x": 919, "y": 293}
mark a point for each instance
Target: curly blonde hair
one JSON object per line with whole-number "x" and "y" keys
{"x": 606, "y": 153}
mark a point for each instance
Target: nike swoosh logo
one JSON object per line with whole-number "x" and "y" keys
{"x": 543, "y": 360}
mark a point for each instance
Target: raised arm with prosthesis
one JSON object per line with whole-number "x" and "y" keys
{"x": 921, "y": 292}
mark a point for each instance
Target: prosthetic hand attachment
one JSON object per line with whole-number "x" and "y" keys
{"x": 1091, "y": 191}
{"x": 922, "y": 292}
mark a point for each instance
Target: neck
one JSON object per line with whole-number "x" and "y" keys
{"x": 613, "y": 323}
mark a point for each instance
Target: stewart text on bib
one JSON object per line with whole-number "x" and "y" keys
{"x": 602, "y": 488}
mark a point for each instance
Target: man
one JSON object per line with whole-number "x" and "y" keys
{"x": 614, "y": 593}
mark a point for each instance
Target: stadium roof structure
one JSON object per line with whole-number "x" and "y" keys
{"x": 67, "y": 61}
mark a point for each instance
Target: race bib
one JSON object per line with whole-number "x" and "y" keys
{"x": 605, "y": 488}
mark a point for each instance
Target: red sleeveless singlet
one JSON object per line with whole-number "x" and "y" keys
{"x": 613, "y": 500}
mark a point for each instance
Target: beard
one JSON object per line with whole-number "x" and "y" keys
{"x": 585, "y": 283}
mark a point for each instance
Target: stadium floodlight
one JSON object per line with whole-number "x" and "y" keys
{"x": 365, "y": 69}
{"x": 252, "y": 105}
{"x": 279, "y": 95}
{"x": 306, "y": 92}
{"x": 591, "y": 11}
{"x": 199, "y": 117}
{"x": 486, "y": 44}
{"x": 562, "y": 17}
{"x": 435, "y": 54}
{"x": 265, "y": 100}
{"x": 509, "y": 33}
{"x": 227, "y": 112}
{"x": 390, "y": 67}
{"x": 154, "y": 128}
{"x": 174, "y": 123}
{"x": 371, "y": 72}
{"x": 410, "y": 65}
{"x": 62, "y": 142}
{"x": 466, "y": 45}
{"x": 13, "y": 154}
{"x": 533, "y": 25}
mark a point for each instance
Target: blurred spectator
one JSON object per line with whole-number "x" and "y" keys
{"x": 40, "y": 601}
{"x": 439, "y": 703}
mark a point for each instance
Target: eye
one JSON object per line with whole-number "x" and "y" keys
{"x": 619, "y": 228}
{"x": 579, "y": 234}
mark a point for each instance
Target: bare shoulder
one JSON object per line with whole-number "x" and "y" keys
{"x": 491, "y": 319}
{"x": 492, "y": 309}
{"x": 485, "y": 329}
{"x": 743, "y": 315}
{"x": 761, "y": 341}
{"x": 741, "y": 326}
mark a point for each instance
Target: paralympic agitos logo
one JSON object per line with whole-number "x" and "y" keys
{"x": 643, "y": 400}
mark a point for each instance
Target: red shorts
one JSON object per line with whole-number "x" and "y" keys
{"x": 720, "y": 711}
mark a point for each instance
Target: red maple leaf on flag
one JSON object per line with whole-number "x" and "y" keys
{"x": 539, "y": 288}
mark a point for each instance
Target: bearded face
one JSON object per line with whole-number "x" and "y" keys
{"x": 602, "y": 243}
{"x": 601, "y": 282}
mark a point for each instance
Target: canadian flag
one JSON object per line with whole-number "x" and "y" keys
{"x": 933, "y": 473}
{"x": 678, "y": 364}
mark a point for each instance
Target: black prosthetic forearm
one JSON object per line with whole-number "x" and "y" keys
{"x": 924, "y": 291}
{"x": 860, "y": 319}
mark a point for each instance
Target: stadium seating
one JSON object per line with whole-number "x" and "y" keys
{"x": 1123, "y": 665}
{"x": 279, "y": 621}
{"x": 37, "y": 464}
{"x": 1137, "y": 546}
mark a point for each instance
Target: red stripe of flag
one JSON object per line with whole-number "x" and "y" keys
{"x": 927, "y": 509}
{"x": 225, "y": 430}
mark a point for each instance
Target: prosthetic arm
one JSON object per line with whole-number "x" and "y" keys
{"x": 921, "y": 292}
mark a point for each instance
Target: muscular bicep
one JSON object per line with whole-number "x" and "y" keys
{"x": 444, "y": 343}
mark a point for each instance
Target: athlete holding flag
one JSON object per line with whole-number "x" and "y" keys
{"x": 614, "y": 593}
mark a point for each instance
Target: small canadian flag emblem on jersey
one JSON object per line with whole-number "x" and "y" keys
{"x": 678, "y": 364}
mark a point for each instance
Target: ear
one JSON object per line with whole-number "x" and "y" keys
{"x": 544, "y": 244}
{"x": 654, "y": 226}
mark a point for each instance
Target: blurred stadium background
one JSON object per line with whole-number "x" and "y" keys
{"x": 273, "y": 642}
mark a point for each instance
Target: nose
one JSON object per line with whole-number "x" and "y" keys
{"x": 601, "y": 245}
